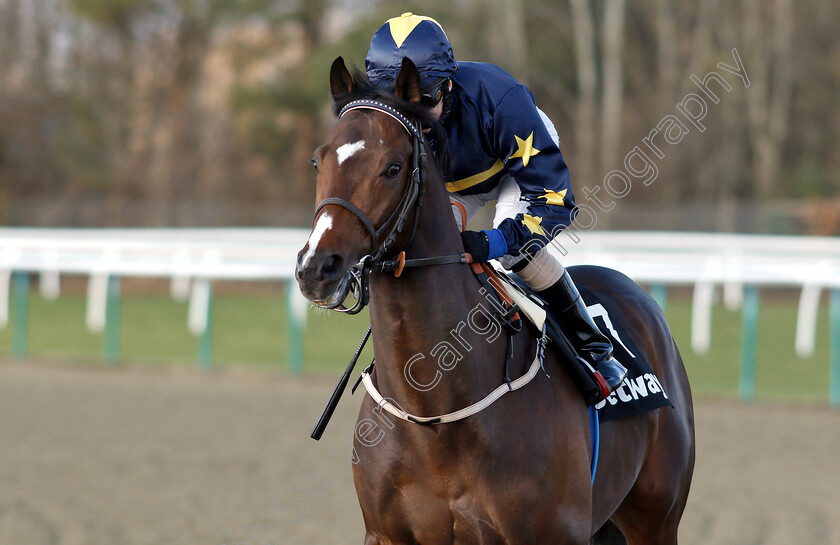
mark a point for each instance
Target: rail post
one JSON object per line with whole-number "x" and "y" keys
{"x": 200, "y": 320}
{"x": 749, "y": 342}
{"x": 113, "y": 306}
{"x": 205, "y": 340}
{"x": 20, "y": 313}
{"x": 659, "y": 292}
{"x": 296, "y": 311}
{"x": 834, "y": 363}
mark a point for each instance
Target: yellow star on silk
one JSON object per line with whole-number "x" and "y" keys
{"x": 526, "y": 149}
{"x": 533, "y": 224}
{"x": 554, "y": 197}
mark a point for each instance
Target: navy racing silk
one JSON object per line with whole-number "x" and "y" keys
{"x": 494, "y": 130}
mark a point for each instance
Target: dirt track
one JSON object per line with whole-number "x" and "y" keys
{"x": 131, "y": 457}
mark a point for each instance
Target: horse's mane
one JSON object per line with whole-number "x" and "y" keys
{"x": 363, "y": 89}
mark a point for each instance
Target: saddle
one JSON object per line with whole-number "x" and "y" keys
{"x": 640, "y": 392}
{"x": 519, "y": 298}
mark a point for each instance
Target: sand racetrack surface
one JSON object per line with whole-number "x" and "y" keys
{"x": 95, "y": 456}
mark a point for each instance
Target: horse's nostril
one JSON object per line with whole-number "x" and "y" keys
{"x": 332, "y": 266}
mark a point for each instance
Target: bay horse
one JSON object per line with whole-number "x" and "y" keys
{"x": 518, "y": 472}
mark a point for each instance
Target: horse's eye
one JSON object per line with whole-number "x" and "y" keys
{"x": 393, "y": 170}
{"x": 314, "y": 163}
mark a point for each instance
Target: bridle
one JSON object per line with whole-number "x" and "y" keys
{"x": 393, "y": 226}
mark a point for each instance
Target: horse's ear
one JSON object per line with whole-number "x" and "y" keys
{"x": 407, "y": 86}
{"x": 341, "y": 82}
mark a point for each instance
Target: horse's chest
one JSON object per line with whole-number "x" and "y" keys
{"x": 477, "y": 488}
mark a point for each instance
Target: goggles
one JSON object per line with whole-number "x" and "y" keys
{"x": 434, "y": 93}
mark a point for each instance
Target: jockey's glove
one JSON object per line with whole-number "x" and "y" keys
{"x": 477, "y": 245}
{"x": 484, "y": 245}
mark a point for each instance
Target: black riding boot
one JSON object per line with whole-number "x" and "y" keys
{"x": 577, "y": 324}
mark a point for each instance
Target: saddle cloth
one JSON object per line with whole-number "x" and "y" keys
{"x": 641, "y": 391}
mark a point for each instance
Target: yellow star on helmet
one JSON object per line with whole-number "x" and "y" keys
{"x": 533, "y": 224}
{"x": 554, "y": 197}
{"x": 525, "y": 149}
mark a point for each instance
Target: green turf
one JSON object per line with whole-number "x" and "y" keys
{"x": 248, "y": 329}
{"x": 251, "y": 329}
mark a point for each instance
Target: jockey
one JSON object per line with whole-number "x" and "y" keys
{"x": 502, "y": 147}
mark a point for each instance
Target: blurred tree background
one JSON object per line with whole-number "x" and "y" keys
{"x": 206, "y": 112}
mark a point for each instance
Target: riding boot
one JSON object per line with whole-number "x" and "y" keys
{"x": 577, "y": 324}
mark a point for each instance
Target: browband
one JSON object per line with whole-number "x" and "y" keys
{"x": 369, "y": 104}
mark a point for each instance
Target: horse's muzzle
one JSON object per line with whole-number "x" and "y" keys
{"x": 323, "y": 278}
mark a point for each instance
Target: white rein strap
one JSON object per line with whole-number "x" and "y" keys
{"x": 475, "y": 408}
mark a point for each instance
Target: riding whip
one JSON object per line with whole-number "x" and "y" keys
{"x": 319, "y": 428}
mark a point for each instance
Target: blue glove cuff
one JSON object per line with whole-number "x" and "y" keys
{"x": 498, "y": 244}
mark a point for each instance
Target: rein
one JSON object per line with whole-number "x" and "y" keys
{"x": 411, "y": 201}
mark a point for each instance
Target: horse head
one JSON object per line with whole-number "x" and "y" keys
{"x": 365, "y": 171}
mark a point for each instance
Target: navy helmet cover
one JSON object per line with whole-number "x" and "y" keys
{"x": 419, "y": 38}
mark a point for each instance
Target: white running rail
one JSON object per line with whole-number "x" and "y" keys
{"x": 705, "y": 261}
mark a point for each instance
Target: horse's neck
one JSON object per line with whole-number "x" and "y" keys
{"x": 413, "y": 314}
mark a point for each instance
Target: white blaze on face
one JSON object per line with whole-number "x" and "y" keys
{"x": 323, "y": 225}
{"x": 346, "y": 150}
